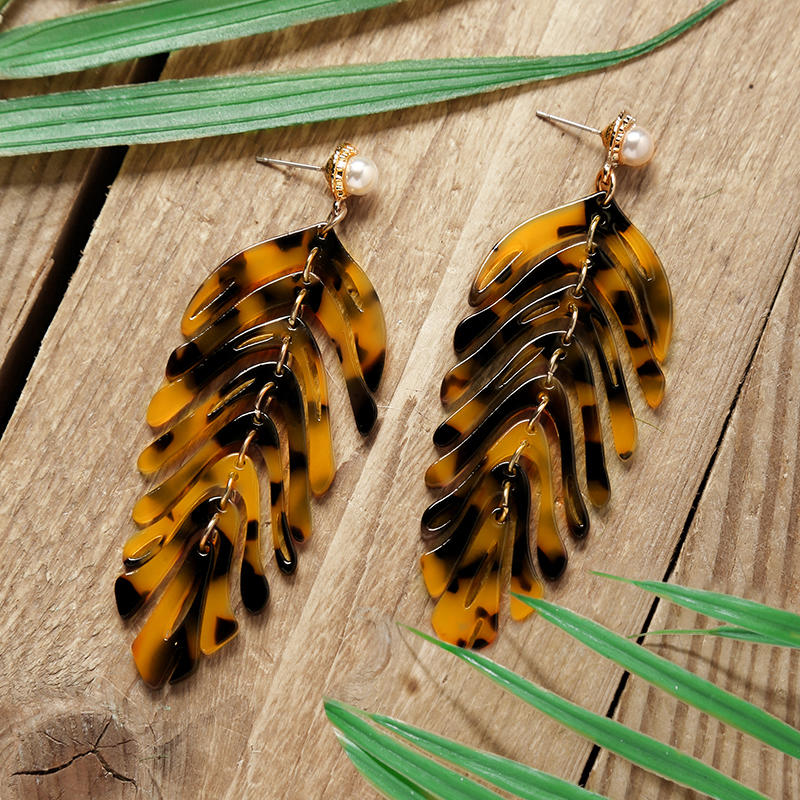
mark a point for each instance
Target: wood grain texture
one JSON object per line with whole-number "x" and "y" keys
{"x": 719, "y": 205}
{"x": 42, "y": 198}
{"x": 743, "y": 541}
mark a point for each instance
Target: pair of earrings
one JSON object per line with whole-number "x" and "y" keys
{"x": 545, "y": 298}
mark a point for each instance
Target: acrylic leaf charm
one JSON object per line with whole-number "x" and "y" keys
{"x": 249, "y": 380}
{"x": 555, "y": 301}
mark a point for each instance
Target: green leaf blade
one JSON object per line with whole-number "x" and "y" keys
{"x": 723, "y": 631}
{"x": 524, "y": 781}
{"x": 197, "y": 107}
{"x": 385, "y": 780}
{"x": 123, "y": 30}
{"x": 671, "y": 678}
{"x": 411, "y": 765}
{"x": 773, "y": 623}
{"x": 635, "y": 747}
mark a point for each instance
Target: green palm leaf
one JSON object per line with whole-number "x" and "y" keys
{"x": 118, "y": 31}
{"x": 773, "y": 624}
{"x": 724, "y": 631}
{"x": 524, "y": 781}
{"x": 423, "y": 773}
{"x": 367, "y": 748}
{"x": 384, "y": 779}
{"x": 401, "y": 772}
{"x": 197, "y": 107}
{"x": 642, "y": 750}
{"x": 674, "y": 680}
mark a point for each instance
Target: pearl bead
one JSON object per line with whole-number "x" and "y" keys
{"x": 360, "y": 175}
{"x": 637, "y": 147}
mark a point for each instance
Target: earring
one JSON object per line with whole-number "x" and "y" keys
{"x": 250, "y": 359}
{"x": 545, "y": 296}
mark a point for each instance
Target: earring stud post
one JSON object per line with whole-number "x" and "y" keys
{"x": 554, "y": 118}
{"x": 279, "y": 162}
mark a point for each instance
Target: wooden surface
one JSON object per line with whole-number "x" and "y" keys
{"x": 45, "y": 204}
{"x": 717, "y": 463}
{"x": 743, "y": 540}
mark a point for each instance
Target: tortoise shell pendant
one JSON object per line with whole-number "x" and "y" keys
{"x": 246, "y": 396}
{"x": 554, "y": 301}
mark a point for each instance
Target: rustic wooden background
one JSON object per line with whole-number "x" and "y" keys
{"x": 711, "y": 499}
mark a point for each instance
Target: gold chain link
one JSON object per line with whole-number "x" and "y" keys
{"x": 209, "y": 532}
{"x": 307, "y": 268}
{"x": 298, "y": 304}
{"x": 577, "y": 289}
{"x": 264, "y": 396}
{"x": 263, "y": 401}
{"x": 566, "y": 338}
{"x": 591, "y": 249}
{"x": 505, "y": 503}
{"x": 591, "y": 244}
{"x": 233, "y": 476}
{"x": 544, "y": 399}
{"x": 558, "y": 355}
{"x": 338, "y": 213}
{"x": 240, "y": 461}
{"x": 512, "y": 465}
{"x": 282, "y": 358}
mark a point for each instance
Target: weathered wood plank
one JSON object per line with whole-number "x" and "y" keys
{"x": 454, "y": 179}
{"x": 743, "y": 541}
{"x": 42, "y": 202}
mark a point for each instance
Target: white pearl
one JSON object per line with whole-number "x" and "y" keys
{"x": 360, "y": 175}
{"x": 637, "y": 147}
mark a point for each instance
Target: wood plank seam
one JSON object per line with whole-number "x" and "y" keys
{"x": 743, "y": 541}
{"x": 63, "y": 259}
{"x": 175, "y": 210}
{"x": 726, "y": 423}
{"x": 101, "y": 172}
{"x": 623, "y": 681}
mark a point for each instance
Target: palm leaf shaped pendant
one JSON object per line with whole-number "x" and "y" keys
{"x": 552, "y": 299}
{"x": 250, "y": 379}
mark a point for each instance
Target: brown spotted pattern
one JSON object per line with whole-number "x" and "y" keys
{"x": 523, "y": 300}
{"x": 236, "y": 324}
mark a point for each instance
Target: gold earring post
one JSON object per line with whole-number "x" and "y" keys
{"x": 554, "y": 118}
{"x": 337, "y": 172}
{"x": 280, "y": 162}
{"x": 334, "y": 170}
